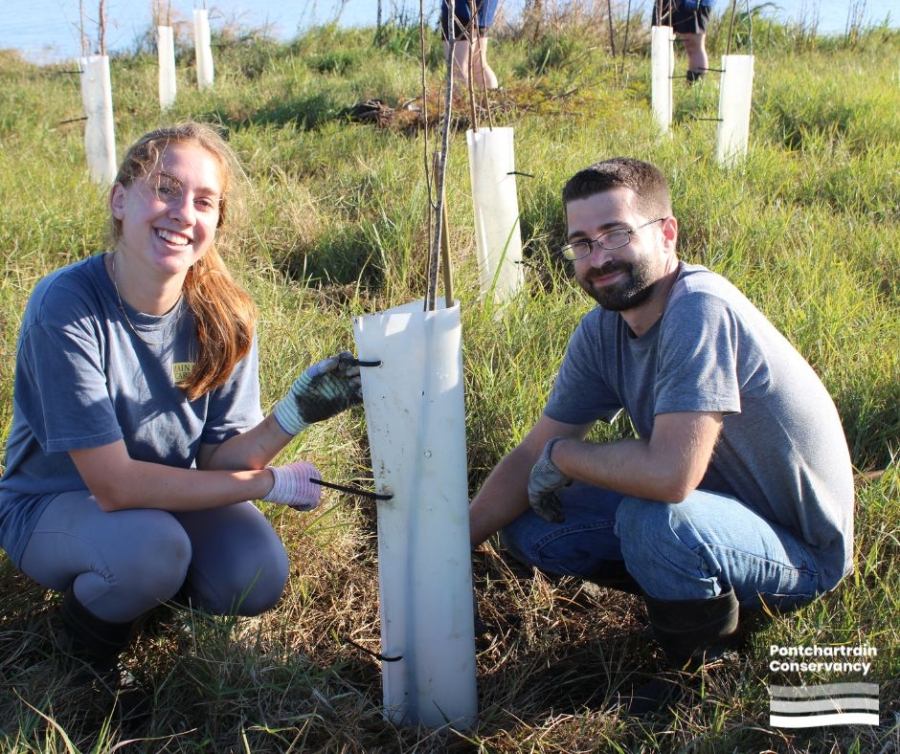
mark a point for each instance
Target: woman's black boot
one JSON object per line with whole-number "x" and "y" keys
{"x": 96, "y": 642}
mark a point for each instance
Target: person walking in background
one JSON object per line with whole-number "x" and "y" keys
{"x": 467, "y": 22}
{"x": 736, "y": 493}
{"x": 138, "y": 440}
{"x": 688, "y": 19}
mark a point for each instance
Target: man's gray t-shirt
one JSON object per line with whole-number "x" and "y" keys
{"x": 85, "y": 378}
{"x": 781, "y": 450}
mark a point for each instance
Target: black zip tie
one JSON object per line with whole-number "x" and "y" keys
{"x": 376, "y": 655}
{"x": 351, "y": 490}
{"x": 73, "y": 120}
{"x": 519, "y": 172}
{"x": 358, "y": 363}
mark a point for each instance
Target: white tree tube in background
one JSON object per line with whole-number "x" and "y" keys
{"x": 203, "y": 48}
{"x": 662, "y": 62}
{"x": 100, "y": 129}
{"x": 415, "y": 415}
{"x": 165, "y": 47}
{"x": 735, "y": 97}
{"x": 498, "y": 237}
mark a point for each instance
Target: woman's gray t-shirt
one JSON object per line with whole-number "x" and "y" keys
{"x": 87, "y": 375}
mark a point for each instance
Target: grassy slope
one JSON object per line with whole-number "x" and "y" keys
{"x": 808, "y": 227}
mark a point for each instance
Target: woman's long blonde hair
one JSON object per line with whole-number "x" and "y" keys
{"x": 224, "y": 314}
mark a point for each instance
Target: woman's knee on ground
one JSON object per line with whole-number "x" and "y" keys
{"x": 250, "y": 583}
{"x": 266, "y": 590}
{"x": 156, "y": 562}
{"x": 136, "y": 568}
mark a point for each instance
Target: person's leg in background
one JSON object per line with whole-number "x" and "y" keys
{"x": 689, "y": 25}
{"x": 484, "y": 75}
{"x": 470, "y": 46}
{"x": 698, "y": 60}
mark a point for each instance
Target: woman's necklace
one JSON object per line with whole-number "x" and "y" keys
{"x": 112, "y": 264}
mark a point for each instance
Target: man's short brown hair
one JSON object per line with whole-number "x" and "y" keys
{"x": 646, "y": 181}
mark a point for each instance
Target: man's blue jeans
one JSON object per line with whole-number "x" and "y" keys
{"x": 685, "y": 551}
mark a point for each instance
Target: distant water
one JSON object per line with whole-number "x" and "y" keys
{"x": 47, "y": 30}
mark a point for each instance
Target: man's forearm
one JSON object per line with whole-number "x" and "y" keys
{"x": 667, "y": 468}
{"x": 624, "y": 466}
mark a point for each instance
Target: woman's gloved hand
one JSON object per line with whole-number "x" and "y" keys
{"x": 324, "y": 390}
{"x": 293, "y": 486}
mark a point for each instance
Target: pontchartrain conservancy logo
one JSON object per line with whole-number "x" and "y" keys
{"x": 813, "y": 706}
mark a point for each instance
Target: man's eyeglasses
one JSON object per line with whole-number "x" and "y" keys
{"x": 612, "y": 239}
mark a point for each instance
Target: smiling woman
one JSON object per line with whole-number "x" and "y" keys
{"x": 169, "y": 200}
{"x": 138, "y": 440}
{"x": 166, "y": 222}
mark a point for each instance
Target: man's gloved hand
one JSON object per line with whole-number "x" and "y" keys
{"x": 544, "y": 481}
{"x": 292, "y": 486}
{"x": 322, "y": 391}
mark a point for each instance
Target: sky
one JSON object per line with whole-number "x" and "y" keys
{"x": 48, "y": 30}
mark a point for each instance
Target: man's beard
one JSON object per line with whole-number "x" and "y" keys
{"x": 634, "y": 290}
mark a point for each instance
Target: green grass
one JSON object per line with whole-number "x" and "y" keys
{"x": 808, "y": 226}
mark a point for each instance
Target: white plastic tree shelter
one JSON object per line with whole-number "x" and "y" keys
{"x": 203, "y": 48}
{"x": 165, "y": 47}
{"x": 99, "y": 130}
{"x": 415, "y": 416}
{"x": 662, "y": 65}
{"x": 735, "y": 97}
{"x": 498, "y": 237}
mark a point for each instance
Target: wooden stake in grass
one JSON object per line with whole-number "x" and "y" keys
{"x": 101, "y": 27}
{"x": 445, "y": 243}
{"x": 84, "y": 44}
{"x": 101, "y": 30}
{"x": 441, "y": 171}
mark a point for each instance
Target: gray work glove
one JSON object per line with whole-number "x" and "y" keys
{"x": 544, "y": 481}
{"x": 322, "y": 391}
{"x": 293, "y": 486}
